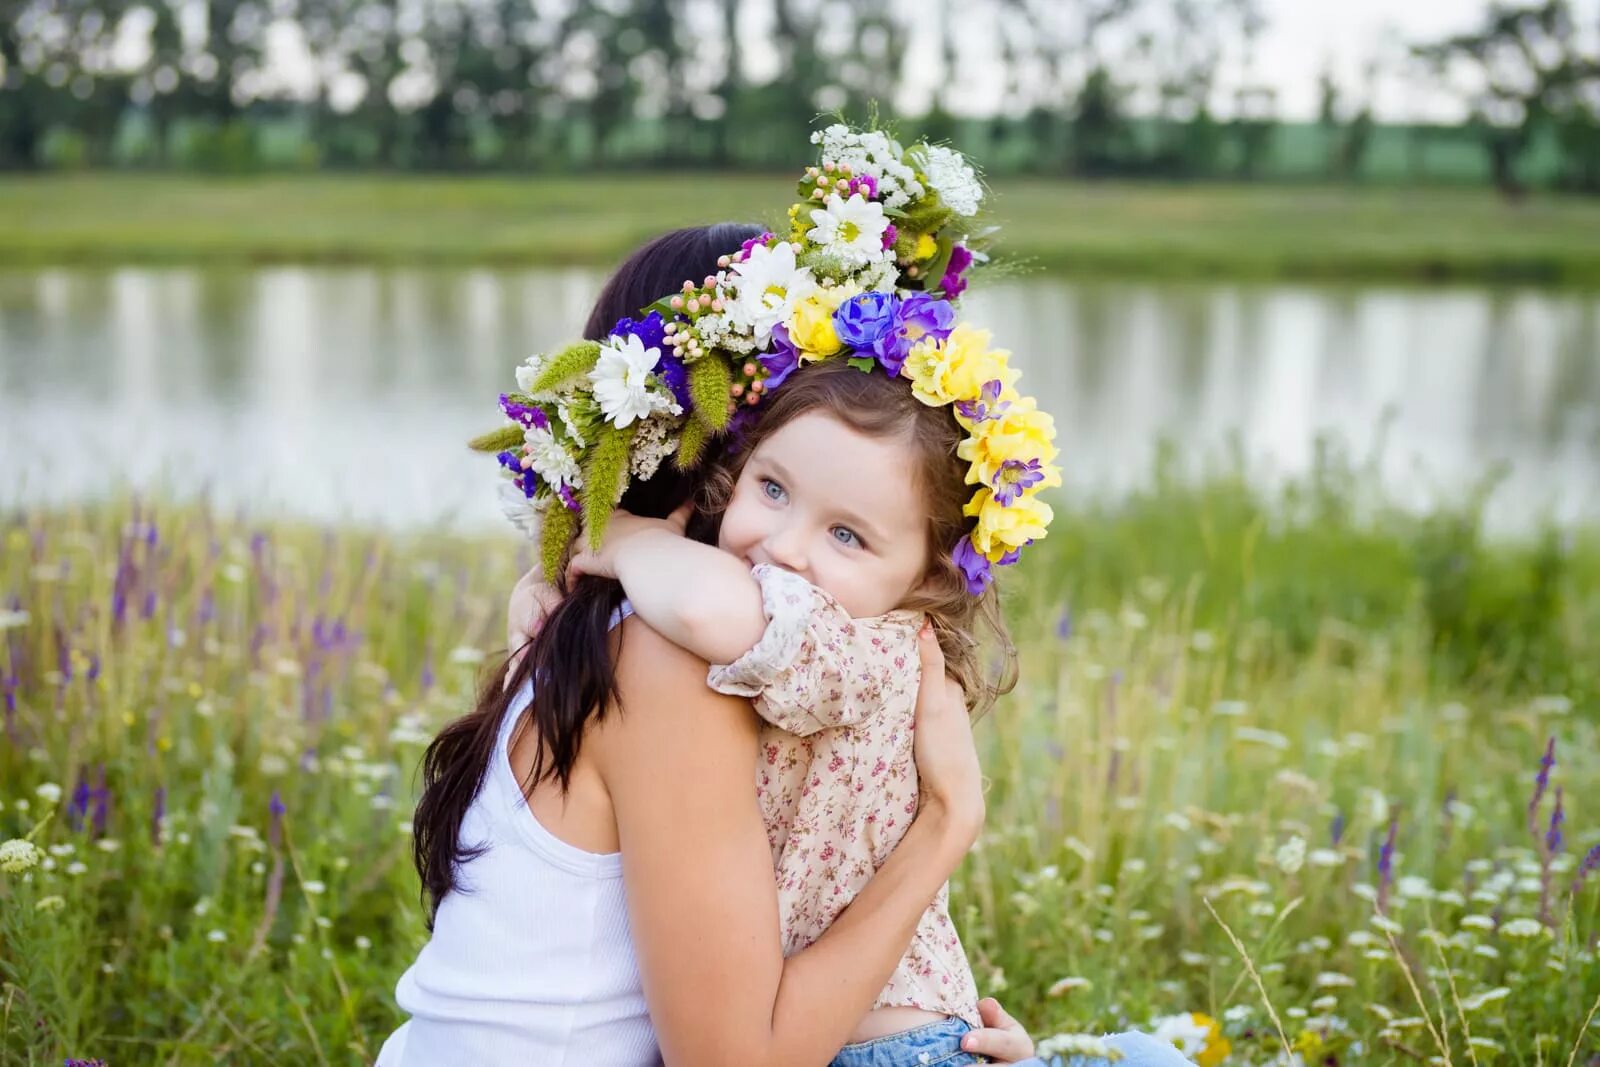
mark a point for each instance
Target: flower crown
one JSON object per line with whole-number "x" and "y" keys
{"x": 878, "y": 231}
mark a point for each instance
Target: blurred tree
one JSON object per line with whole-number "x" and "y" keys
{"x": 1525, "y": 70}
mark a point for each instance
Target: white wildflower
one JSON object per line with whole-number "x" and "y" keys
{"x": 1066, "y": 985}
{"x": 1485, "y": 998}
{"x": 1333, "y": 980}
{"x": 948, "y": 172}
{"x": 1182, "y": 1031}
{"x": 1291, "y": 855}
{"x": 850, "y": 231}
{"x": 520, "y": 511}
{"x": 652, "y": 443}
{"x": 550, "y": 459}
{"x": 216, "y": 937}
{"x": 1522, "y": 928}
{"x": 1077, "y": 1045}
{"x": 1256, "y": 735}
{"x": 871, "y": 152}
{"x": 18, "y": 855}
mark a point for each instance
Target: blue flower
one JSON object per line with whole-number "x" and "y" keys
{"x": 916, "y": 317}
{"x": 782, "y": 360}
{"x": 650, "y": 330}
{"x": 863, "y": 319}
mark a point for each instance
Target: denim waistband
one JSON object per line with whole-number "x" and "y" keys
{"x": 933, "y": 1043}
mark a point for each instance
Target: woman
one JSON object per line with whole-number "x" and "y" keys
{"x": 633, "y": 916}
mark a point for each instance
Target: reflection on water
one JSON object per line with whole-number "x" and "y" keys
{"x": 348, "y": 392}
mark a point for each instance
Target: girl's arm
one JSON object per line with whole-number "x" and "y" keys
{"x": 697, "y": 596}
{"x": 679, "y": 763}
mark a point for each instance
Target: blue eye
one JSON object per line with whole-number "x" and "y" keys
{"x": 771, "y": 489}
{"x": 846, "y": 536}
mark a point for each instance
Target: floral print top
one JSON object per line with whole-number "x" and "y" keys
{"x": 836, "y": 778}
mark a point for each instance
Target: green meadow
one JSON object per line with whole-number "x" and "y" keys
{"x": 1315, "y": 770}
{"x": 1367, "y": 233}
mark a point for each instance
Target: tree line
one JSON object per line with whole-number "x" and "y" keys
{"x": 1154, "y": 88}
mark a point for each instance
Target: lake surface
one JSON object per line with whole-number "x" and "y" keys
{"x": 347, "y": 393}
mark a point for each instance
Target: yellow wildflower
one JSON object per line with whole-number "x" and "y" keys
{"x": 1005, "y": 528}
{"x": 956, "y": 368}
{"x": 811, "y": 326}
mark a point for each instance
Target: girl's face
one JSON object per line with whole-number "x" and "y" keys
{"x": 836, "y": 507}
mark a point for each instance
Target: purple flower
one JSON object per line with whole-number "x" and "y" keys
{"x": 1386, "y": 863}
{"x": 1336, "y": 828}
{"x": 568, "y": 497}
{"x": 782, "y": 360}
{"x": 745, "y": 248}
{"x": 1064, "y": 624}
{"x": 1013, "y": 477}
{"x": 953, "y": 284}
{"x": 158, "y": 811}
{"x": 675, "y": 375}
{"x": 1553, "y": 838}
{"x": 1541, "y": 782}
{"x": 524, "y": 414}
{"x": 916, "y": 317}
{"x": 650, "y": 330}
{"x": 987, "y": 406}
{"x": 275, "y": 826}
{"x": 863, "y": 319}
{"x": 890, "y": 235}
{"x": 1590, "y": 864}
{"x": 973, "y": 566}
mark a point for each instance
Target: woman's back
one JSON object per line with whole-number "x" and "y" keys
{"x": 531, "y": 961}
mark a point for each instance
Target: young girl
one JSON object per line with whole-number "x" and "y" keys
{"x": 836, "y": 524}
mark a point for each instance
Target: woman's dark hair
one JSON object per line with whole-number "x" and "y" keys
{"x": 572, "y": 652}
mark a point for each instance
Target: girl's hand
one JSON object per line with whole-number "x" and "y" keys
{"x": 1002, "y": 1039}
{"x": 947, "y": 760}
{"x": 620, "y": 528}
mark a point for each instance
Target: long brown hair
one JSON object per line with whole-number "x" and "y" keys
{"x": 972, "y": 633}
{"x": 572, "y": 649}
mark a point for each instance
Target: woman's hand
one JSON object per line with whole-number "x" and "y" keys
{"x": 532, "y": 598}
{"x": 949, "y": 780}
{"x": 1002, "y": 1039}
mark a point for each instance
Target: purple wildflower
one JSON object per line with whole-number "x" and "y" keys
{"x": 1064, "y": 624}
{"x": 102, "y": 801}
{"x": 275, "y": 826}
{"x": 781, "y": 360}
{"x": 890, "y": 235}
{"x": 158, "y": 811}
{"x": 1553, "y": 838}
{"x": 953, "y": 284}
{"x": 987, "y": 406}
{"x": 675, "y": 376}
{"x": 524, "y": 414}
{"x": 1386, "y": 863}
{"x": 1013, "y": 477}
{"x": 1541, "y": 782}
{"x": 1590, "y": 864}
{"x": 973, "y": 566}
{"x": 916, "y": 317}
{"x": 568, "y": 497}
{"x": 744, "y": 249}
{"x": 78, "y": 809}
{"x": 1336, "y": 828}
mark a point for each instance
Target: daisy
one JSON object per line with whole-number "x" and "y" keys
{"x": 622, "y": 379}
{"x": 851, "y": 230}
{"x": 768, "y": 286}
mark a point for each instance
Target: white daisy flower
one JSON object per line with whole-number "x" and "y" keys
{"x": 953, "y": 179}
{"x": 851, "y": 230}
{"x": 622, "y": 381}
{"x": 521, "y": 511}
{"x": 769, "y": 284}
{"x": 550, "y": 459}
{"x": 1181, "y": 1030}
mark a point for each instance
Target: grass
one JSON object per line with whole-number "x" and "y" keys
{"x": 1254, "y": 231}
{"x": 1318, "y": 716}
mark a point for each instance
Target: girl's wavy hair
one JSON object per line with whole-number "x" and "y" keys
{"x": 572, "y": 651}
{"x": 977, "y": 646}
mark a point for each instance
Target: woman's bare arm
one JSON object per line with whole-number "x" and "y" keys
{"x": 679, "y": 763}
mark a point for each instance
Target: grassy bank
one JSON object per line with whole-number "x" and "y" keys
{"x": 1306, "y": 710}
{"x": 1073, "y": 228}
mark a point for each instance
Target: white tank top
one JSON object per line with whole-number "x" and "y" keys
{"x": 530, "y": 961}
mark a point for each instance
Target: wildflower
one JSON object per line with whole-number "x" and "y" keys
{"x": 216, "y": 937}
{"x": 851, "y": 230}
{"x": 314, "y": 887}
{"x": 1324, "y": 857}
{"x": 1477, "y": 922}
{"x": 50, "y": 904}
{"x": 1522, "y": 928}
{"x": 622, "y": 382}
{"x": 1195, "y": 1035}
{"x": 48, "y": 792}
{"x": 18, "y": 855}
{"x": 1257, "y": 736}
{"x": 1541, "y": 781}
{"x": 1066, "y": 985}
{"x": 1334, "y": 980}
{"x": 1077, "y": 1045}
{"x": 1485, "y": 998}
{"x": 1291, "y": 855}
{"x": 363, "y": 942}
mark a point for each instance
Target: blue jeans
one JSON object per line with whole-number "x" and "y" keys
{"x": 1138, "y": 1050}
{"x": 938, "y": 1043}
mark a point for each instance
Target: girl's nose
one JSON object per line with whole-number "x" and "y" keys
{"x": 786, "y": 548}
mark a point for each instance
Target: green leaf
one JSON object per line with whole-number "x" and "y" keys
{"x": 559, "y": 526}
{"x": 605, "y": 476}
{"x": 865, "y": 363}
{"x": 709, "y": 380}
{"x": 565, "y": 365}
{"x": 497, "y": 440}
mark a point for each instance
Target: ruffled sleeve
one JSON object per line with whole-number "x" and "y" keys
{"x": 815, "y": 667}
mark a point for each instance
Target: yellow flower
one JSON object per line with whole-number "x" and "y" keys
{"x": 926, "y": 246}
{"x": 956, "y": 368}
{"x": 1217, "y": 1046}
{"x": 811, "y": 325}
{"x": 1022, "y": 432}
{"x": 1006, "y": 528}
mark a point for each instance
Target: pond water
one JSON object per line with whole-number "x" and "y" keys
{"x": 347, "y": 393}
